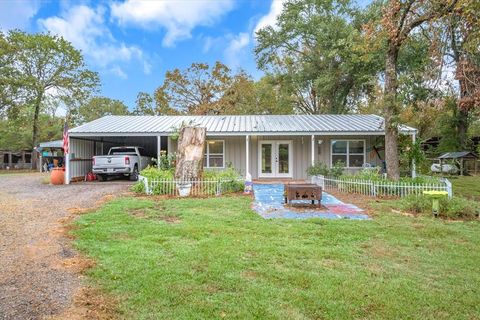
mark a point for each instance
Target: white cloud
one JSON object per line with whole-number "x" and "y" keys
{"x": 116, "y": 70}
{"x": 17, "y": 14}
{"x": 179, "y": 18}
{"x": 85, "y": 28}
{"x": 270, "y": 19}
{"x": 235, "y": 50}
{"x": 147, "y": 67}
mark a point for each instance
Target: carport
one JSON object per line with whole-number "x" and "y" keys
{"x": 96, "y": 138}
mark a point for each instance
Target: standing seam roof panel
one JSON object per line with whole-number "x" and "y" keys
{"x": 238, "y": 124}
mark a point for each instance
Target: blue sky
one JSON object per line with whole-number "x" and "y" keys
{"x": 132, "y": 43}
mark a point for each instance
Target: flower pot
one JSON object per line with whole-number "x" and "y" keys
{"x": 57, "y": 176}
{"x": 184, "y": 189}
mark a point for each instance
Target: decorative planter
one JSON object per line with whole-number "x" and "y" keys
{"x": 184, "y": 189}
{"x": 57, "y": 176}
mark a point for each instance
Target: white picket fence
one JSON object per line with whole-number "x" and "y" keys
{"x": 381, "y": 188}
{"x": 193, "y": 187}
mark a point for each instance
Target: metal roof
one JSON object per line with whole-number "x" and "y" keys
{"x": 51, "y": 144}
{"x": 457, "y": 155}
{"x": 237, "y": 125}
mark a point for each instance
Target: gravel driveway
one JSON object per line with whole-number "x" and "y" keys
{"x": 34, "y": 282}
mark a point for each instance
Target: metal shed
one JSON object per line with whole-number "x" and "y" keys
{"x": 461, "y": 157}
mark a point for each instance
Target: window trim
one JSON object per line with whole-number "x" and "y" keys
{"x": 207, "y": 154}
{"x": 347, "y": 165}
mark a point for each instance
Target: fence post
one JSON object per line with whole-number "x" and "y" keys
{"x": 145, "y": 183}
{"x": 372, "y": 188}
{"x": 448, "y": 184}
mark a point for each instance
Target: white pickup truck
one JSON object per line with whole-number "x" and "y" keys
{"x": 126, "y": 161}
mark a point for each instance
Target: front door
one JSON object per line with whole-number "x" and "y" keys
{"x": 275, "y": 159}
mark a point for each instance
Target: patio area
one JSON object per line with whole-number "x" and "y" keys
{"x": 269, "y": 203}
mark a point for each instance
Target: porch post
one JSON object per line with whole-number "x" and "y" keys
{"x": 414, "y": 167}
{"x": 169, "y": 145}
{"x": 67, "y": 162}
{"x": 247, "y": 155}
{"x": 159, "y": 147}
{"x": 313, "y": 150}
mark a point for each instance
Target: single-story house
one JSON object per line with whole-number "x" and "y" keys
{"x": 265, "y": 146}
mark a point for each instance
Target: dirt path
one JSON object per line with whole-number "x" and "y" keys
{"x": 34, "y": 279}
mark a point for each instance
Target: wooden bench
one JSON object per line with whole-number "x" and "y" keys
{"x": 303, "y": 191}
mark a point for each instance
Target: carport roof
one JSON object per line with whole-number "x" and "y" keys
{"x": 237, "y": 125}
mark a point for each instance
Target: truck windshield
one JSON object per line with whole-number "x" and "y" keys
{"x": 115, "y": 151}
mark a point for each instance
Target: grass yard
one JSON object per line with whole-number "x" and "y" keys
{"x": 466, "y": 186}
{"x": 215, "y": 258}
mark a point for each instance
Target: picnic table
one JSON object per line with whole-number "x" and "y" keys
{"x": 303, "y": 191}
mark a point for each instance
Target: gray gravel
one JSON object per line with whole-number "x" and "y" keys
{"x": 33, "y": 282}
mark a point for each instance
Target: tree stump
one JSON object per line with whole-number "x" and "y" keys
{"x": 190, "y": 151}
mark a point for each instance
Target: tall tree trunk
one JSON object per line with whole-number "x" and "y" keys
{"x": 191, "y": 146}
{"x": 391, "y": 114}
{"x": 35, "y": 131}
{"x": 462, "y": 127}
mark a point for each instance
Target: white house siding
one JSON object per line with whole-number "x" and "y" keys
{"x": 235, "y": 151}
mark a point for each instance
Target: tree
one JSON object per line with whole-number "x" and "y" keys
{"x": 204, "y": 90}
{"x": 36, "y": 67}
{"x": 398, "y": 21}
{"x": 144, "y": 105}
{"x": 196, "y": 90}
{"x": 97, "y": 107}
{"x": 316, "y": 50}
{"x": 463, "y": 32}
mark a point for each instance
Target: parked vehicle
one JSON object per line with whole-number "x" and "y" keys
{"x": 126, "y": 161}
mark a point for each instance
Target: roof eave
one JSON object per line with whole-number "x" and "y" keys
{"x": 252, "y": 133}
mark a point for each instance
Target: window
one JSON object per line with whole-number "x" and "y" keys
{"x": 350, "y": 152}
{"x": 214, "y": 154}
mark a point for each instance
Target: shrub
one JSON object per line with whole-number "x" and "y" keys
{"x": 337, "y": 169}
{"x": 138, "y": 187}
{"x": 372, "y": 174}
{"x": 166, "y": 161}
{"x": 152, "y": 173}
{"x": 231, "y": 180}
{"x": 459, "y": 208}
{"x": 318, "y": 169}
{"x": 415, "y": 204}
{"x": 322, "y": 169}
{"x": 454, "y": 208}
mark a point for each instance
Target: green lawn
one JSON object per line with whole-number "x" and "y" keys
{"x": 468, "y": 187}
{"x": 215, "y": 258}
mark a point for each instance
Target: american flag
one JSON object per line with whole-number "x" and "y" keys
{"x": 65, "y": 138}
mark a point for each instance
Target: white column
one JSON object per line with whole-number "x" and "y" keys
{"x": 247, "y": 155}
{"x": 313, "y": 150}
{"x": 169, "y": 145}
{"x": 40, "y": 160}
{"x": 67, "y": 163}
{"x": 159, "y": 148}
{"x": 414, "y": 167}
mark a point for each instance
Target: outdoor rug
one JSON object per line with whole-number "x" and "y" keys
{"x": 269, "y": 203}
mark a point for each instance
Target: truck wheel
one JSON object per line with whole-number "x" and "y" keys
{"x": 101, "y": 177}
{"x": 134, "y": 174}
